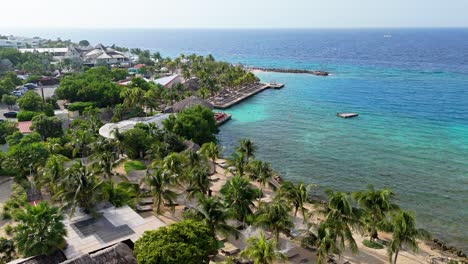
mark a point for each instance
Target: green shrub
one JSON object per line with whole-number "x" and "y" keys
{"x": 134, "y": 165}
{"x": 8, "y": 230}
{"x": 186, "y": 242}
{"x": 80, "y": 106}
{"x": 371, "y": 244}
{"x": 6, "y": 215}
{"x": 27, "y": 115}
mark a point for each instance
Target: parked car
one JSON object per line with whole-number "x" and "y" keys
{"x": 17, "y": 93}
{"x": 11, "y": 114}
{"x": 30, "y": 86}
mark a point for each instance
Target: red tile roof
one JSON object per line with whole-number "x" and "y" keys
{"x": 24, "y": 127}
{"x": 138, "y": 66}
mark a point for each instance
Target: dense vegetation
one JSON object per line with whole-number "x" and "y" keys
{"x": 185, "y": 242}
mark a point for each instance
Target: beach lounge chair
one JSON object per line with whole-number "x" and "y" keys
{"x": 144, "y": 208}
{"x": 229, "y": 249}
{"x": 145, "y": 200}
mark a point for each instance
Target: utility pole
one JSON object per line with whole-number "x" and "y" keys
{"x": 43, "y": 99}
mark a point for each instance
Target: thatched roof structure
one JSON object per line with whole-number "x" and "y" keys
{"x": 118, "y": 254}
{"x": 189, "y": 102}
{"x": 191, "y": 145}
{"x": 54, "y": 258}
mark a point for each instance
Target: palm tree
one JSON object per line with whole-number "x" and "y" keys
{"x": 262, "y": 251}
{"x": 274, "y": 216}
{"x": 133, "y": 97}
{"x": 104, "y": 163}
{"x": 238, "y": 194}
{"x": 79, "y": 187}
{"x": 247, "y": 147}
{"x": 341, "y": 217}
{"x": 214, "y": 214}
{"x": 376, "y": 204}
{"x": 172, "y": 165}
{"x": 297, "y": 195}
{"x": 326, "y": 243}
{"x": 198, "y": 181}
{"x": 40, "y": 230}
{"x": 120, "y": 194}
{"x": 237, "y": 163}
{"x": 403, "y": 226}
{"x": 159, "y": 183}
{"x": 260, "y": 171}
{"x": 52, "y": 173}
{"x": 211, "y": 151}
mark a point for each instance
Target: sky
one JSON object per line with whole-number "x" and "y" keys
{"x": 232, "y": 13}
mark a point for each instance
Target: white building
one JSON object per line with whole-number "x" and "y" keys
{"x": 101, "y": 55}
{"x": 108, "y": 129}
{"x": 20, "y": 42}
{"x": 168, "y": 81}
{"x": 57, "y": 53}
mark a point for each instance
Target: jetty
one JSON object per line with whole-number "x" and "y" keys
{"x": 228, "y": 98}
{"x": 347, "y": 115}
{"x": 318, "y": 73}
{"x": 222, "y": 118}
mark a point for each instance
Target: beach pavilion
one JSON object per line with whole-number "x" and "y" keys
{"x": 108, "y": 129}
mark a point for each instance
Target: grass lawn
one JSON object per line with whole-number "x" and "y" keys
{"x": 371, "y": 244}
{"x": 134, "y": 165}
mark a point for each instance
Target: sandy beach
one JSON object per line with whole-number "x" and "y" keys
{"x": 298, "y": 254}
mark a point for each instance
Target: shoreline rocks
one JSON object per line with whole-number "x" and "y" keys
{"x": 442, "y": 246}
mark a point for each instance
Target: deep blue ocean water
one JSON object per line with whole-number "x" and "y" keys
{"x": 411, "y": 91}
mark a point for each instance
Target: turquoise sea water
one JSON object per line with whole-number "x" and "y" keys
{"x": 411, "y": 92}
{"x": 405, "y": 138}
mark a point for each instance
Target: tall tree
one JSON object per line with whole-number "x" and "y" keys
{"x": 159, "y": 182}
{"x": 260, "y": 171}
{"x": 239, "y": 195}
{"x": 274, "y": 216}
{"x": 326, "y": 242}
{"x": 211, "y": 151}
{"x": 79, "y": 188}
{"x": 52, "y": 173}
{"x": 247, "y": 147}
{"x": 297, "y": 195}
{"x": 376, "y": 205}
{"x": 237, "y": 163}
{"x": 342, "y": 218}
{"x": 403, "y": 226}
{"x": 262, "y": 251}
{"x": 40, "y": 230}
{"x": 198, "y": 181}
{"x": 214, "y": 214}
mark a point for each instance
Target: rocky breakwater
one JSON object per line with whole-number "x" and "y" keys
{"x": 318, "y": 73}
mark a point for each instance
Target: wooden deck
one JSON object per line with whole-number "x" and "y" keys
{"x": 231, "y": 98}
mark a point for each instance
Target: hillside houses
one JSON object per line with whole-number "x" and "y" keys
{"x": 90, "y": 56}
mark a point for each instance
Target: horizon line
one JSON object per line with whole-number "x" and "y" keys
{"x": 241, "y": 28}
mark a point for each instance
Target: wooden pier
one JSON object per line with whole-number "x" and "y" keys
{"x": 347, "y": 115}
{"x": 230, "y": 98}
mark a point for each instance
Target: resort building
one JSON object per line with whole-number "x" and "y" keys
{"x": 20, "y": 42}
{"x": 168, "y": 81}
{"x": 101, "y": 55}
{"x": 86, "y": 234}
{"x": 189, "y": 102}
{"x": 108, "y": 129}
{"x": 57, "y": 53}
